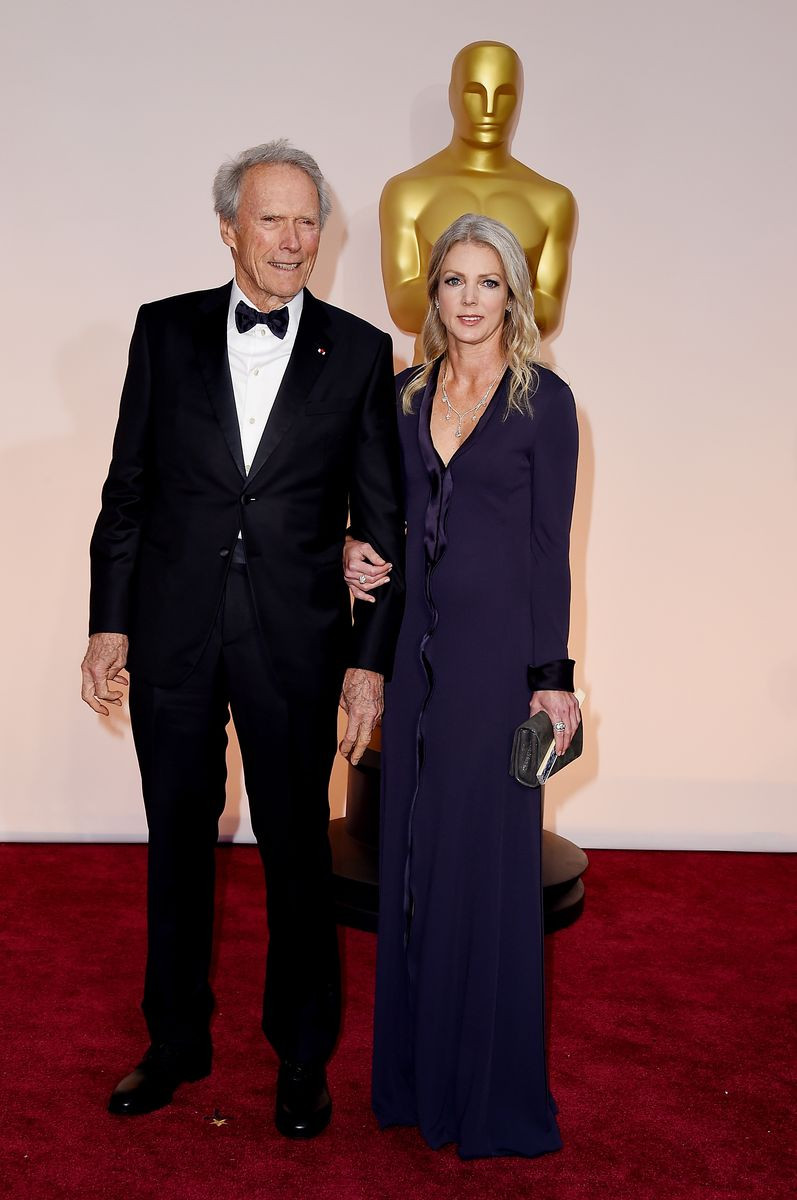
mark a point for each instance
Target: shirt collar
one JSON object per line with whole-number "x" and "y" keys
{"x": 293, "y": 306}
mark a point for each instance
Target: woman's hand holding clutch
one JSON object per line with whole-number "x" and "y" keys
{"x": 564, "y": 713}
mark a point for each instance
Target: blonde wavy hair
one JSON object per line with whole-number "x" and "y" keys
{"x": 520, "y": 338}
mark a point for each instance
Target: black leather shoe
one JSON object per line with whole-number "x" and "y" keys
{"x": 152, "y": 1084}
{"x": 304, "y": 1105}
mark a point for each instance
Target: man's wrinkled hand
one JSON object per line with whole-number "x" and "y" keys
{"x": 103, "y": 665}
{"x": 363, "y": 699}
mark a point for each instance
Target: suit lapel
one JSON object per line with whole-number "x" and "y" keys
{"x": 307, "y": 360}
{"x": 211, "y": 345}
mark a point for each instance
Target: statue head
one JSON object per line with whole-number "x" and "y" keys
{"x": 485, "y": 93}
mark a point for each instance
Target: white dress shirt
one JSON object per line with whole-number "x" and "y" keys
{"x": 257, "y": 364}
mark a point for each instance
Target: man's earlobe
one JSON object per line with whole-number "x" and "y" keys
{"x": 227, "y": 231}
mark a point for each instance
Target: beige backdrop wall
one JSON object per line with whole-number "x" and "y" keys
{"x": 671, "y": 125}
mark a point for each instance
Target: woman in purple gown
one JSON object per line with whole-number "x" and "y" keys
{"x": 489, "y": 446}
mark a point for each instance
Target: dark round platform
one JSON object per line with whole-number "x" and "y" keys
{"x": 355, "y": 839}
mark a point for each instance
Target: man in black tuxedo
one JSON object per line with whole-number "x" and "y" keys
{"x": 253, "y": 419}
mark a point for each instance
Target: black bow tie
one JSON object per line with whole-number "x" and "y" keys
{"x": 247, "y": 317}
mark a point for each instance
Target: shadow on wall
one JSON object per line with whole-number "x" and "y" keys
{"x": 333, "y": 241}
{"x": 585, "y": 769}
{"x": 566, "y": 784}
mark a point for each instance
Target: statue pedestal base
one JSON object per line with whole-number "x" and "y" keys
{"x": 355, "y": 862}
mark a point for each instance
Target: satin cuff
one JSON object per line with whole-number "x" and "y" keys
{"x": 556, "y": 676}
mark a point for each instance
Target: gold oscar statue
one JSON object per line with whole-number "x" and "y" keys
{"x": 476, "y": 173}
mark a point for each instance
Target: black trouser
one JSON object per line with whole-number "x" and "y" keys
{"x": 180, "y": 736}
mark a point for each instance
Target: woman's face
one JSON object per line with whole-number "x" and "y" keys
{"x": 472, "y": 294}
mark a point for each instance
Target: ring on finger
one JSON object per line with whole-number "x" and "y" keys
{"x": 361, "y": 579}
{"x": 560, "y": 727}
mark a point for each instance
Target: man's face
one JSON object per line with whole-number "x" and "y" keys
{"x": 274, "y": 238}
{"x": 485, "y": 93}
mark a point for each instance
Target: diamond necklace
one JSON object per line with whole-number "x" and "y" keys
{"x": 469, "y": 412}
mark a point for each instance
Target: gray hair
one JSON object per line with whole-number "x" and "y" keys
{"x": 227, "y": 184}
{"x": 520, "y": 338}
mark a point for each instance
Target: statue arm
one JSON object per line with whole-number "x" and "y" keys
{"x": 402, "y": 271}
{"x": 553, "y": 269}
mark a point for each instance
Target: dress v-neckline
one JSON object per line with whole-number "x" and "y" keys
{"x": 427, "y": 407}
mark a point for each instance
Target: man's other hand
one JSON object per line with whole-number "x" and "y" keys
{"x": 103, "y": 665}
{"x": 363, "y": 699}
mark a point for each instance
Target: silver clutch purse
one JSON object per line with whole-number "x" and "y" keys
{"x": 534, "y": 759}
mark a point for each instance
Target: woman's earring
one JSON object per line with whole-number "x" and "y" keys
{"x": 437, "y": 303}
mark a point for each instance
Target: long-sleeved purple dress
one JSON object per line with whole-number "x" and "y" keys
{"x": 459, "y": 1044}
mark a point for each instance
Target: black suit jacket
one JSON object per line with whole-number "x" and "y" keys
{"x": 177, "y": 494}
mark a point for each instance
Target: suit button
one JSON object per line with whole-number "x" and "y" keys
{"x": 223, "y": 553}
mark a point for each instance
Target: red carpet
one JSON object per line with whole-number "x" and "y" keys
{"x": 672, "y": 1057}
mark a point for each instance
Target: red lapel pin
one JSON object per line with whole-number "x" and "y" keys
{"x": 321, "y": 351}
